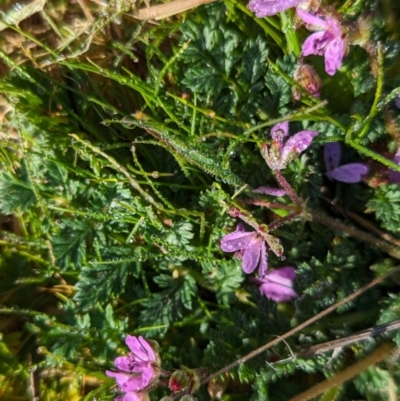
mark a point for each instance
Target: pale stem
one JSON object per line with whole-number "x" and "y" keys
{"x": 378, "y": 355}
{"x": 300, "y": 327}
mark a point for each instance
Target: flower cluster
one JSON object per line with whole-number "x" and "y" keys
{"x": 328, "y": 40}
{"x": 137, "y": 371}
{"x": 250, "y": 247}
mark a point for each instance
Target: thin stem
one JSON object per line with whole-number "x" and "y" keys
{"x": 363, "y": 222}
{"x": 378, "y": 93}
{"x": 378, "y": 355}
{"x": 300, "y": 327}
{"x": 286, "y": 186}
{"x": 293, "y": 117}
{"x": 328, "y": 221}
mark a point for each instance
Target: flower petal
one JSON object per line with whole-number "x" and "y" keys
{"x": 280, "y": 130}
{"x": 251, "y": 255}
{"x": 270, "y": 191}
{"x": 134, "y": 383}
{"x": 332, "y": 153}
{"x": 140, "y": 348}
{"x": 120, "y": 378}
{"x": 124, "y": 363}
{"x": 312, "y": 20}
{"x": 271, "y": 7}
{"x": 296, "y": 144}
{"x": 315, "y": 44}
{"x": 278, "y": 284}
{"x": 334, "y": 55}
{"x": 277, "y": 293}
{"x": 349, "y": 173}
{"x": 236, "y": 241}
{"x": 263, "y": 262}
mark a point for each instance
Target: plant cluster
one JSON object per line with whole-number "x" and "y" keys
{"x": 153, "y": 192}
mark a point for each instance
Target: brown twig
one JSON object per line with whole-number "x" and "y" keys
{"x": 363, "y": 222}
{"x": 300, "y": 326}
{"x": 378, "y": 355}
{"x": 363, "y": 236}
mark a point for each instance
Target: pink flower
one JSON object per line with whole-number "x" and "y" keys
{"x": 350, "y": 173}
{"x": 271, "y": 7}
{"x": 249, "y": 246}
{"x": 329, "y": 40}
{"x": 282, "y": 152}
{"x": 394, "y": 176}
{"x": 137, "y": 370}
{"x": 278, "y": 284}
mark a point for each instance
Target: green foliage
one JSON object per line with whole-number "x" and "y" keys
{"x": 17, "y": 196}
{"x": 127, "y": 146}
{"x": 386, "y": 206}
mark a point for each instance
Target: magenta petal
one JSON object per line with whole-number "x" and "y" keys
{"x": 120, "y": 378}
{"x": 134, "y": 383}
{"x": 315, "y": 44}
{"x": 349, "y": 173}
{"x": 270, "y": 191}
{"x": 297, "y": 143}
{"x": 123, "y": 363}
{"x": 332, "y": 153}
{"x": 277, "y": 292}
{"x": 288, "y": 272}
{"x": 281, "y": 130}
{"x": 312, "y": 20}
{"x": 140, "y": 348}
{"x": 251, "y": 255}
{"x": 334, "y": 56}
{"x": 263, "y": 8}
{"x": 236, "y": 241}
{"x": 263, "y": 262}
{"x": 278, "y": 284}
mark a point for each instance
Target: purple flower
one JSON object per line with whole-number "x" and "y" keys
{"x": 278, "y": 284}
{"x": 249, "y": 246}
{"x": 271, "y": 7}
{"x": 329, "y": 40}
{"x": 350, "y": 173}
{"x": 137, "y": 370}
{"x": 394, "y": 176}
{"x": 282, "y": 152}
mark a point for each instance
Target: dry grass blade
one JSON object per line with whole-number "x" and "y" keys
{"x": 162, "y": 11}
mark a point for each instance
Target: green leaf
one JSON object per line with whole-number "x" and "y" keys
{"x": 15, "y": 195}
{"x": 386, "y": 206}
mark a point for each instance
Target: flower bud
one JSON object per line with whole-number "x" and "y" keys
{"x": 306, "y": 76}
{"x": 184, "y": 378}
